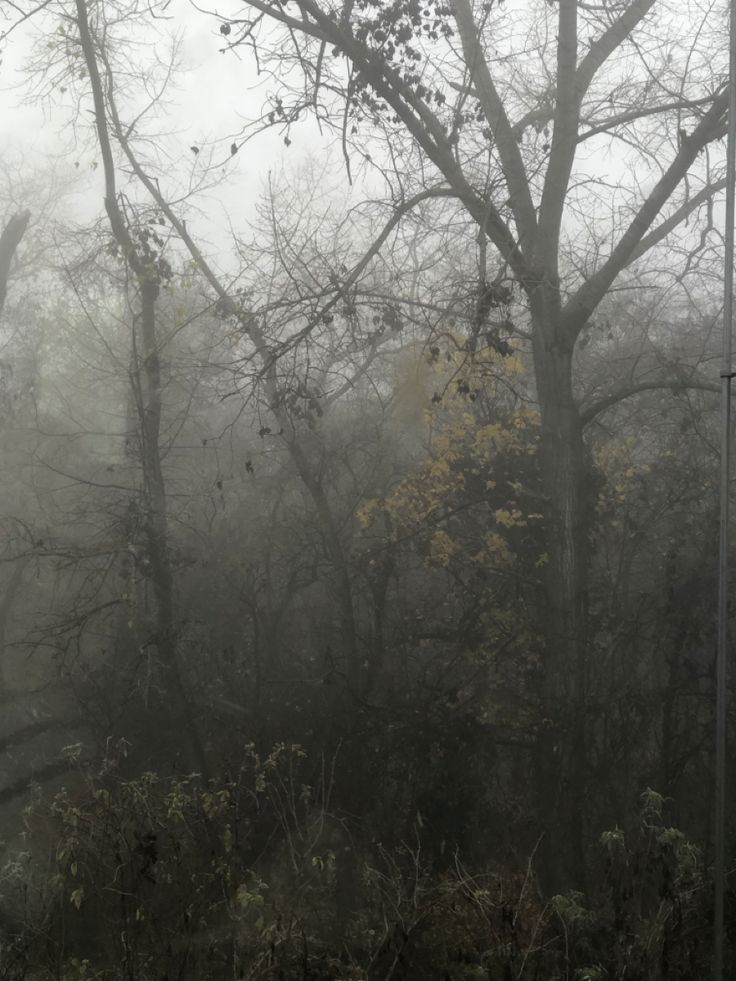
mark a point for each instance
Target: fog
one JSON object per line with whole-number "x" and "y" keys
{"x": 359, "y": 444}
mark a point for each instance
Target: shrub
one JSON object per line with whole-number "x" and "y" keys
{"x": 254, "y": 878}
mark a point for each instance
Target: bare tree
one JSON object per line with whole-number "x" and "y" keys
{"x": 142, "y": 252}
{"x": 267, "y": 331}
{"x": 498, "y": 109}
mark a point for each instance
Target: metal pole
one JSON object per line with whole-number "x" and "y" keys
{"x": 723, "y": 580}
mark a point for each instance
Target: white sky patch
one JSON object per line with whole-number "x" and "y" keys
{"x": 211, "y": 97}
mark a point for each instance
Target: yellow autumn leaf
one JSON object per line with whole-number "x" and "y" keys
{"x": 441, "y": 548}
{"x": 510, "y": 518}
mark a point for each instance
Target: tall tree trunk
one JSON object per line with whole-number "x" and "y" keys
{"x": 12, "y": 589}
{"x": 9, "y": 242}
{"x": 343, "y": 590}
{"x": 172, "y": 706}
{"x": 171, "y": 696}
{"x": 292, "y": 435}
{"x": 561, "y": 750}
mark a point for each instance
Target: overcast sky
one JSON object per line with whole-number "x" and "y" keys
{"x": 214, "y": 95}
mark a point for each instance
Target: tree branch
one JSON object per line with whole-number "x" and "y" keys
{"x": 611, "y": 39}
{"x": 399, "y": 211}
{"x": 419, "y": 120}
{"x": 599, "y": 52}
{"x": 564, "y": 142}
{"x": 674, "y": 382}
{"x": 677, "y": 105}
{"x": 508, "y": 148}
{"x": 675, "y": 219}
{"x": 580, "y": 306}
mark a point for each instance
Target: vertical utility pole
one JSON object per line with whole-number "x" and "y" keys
{"x": 723, "y": 580}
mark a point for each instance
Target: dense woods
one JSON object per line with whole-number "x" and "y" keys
{"x": 358, "y": 573}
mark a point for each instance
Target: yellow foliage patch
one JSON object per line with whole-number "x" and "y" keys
{"x": 441, "y": 548}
